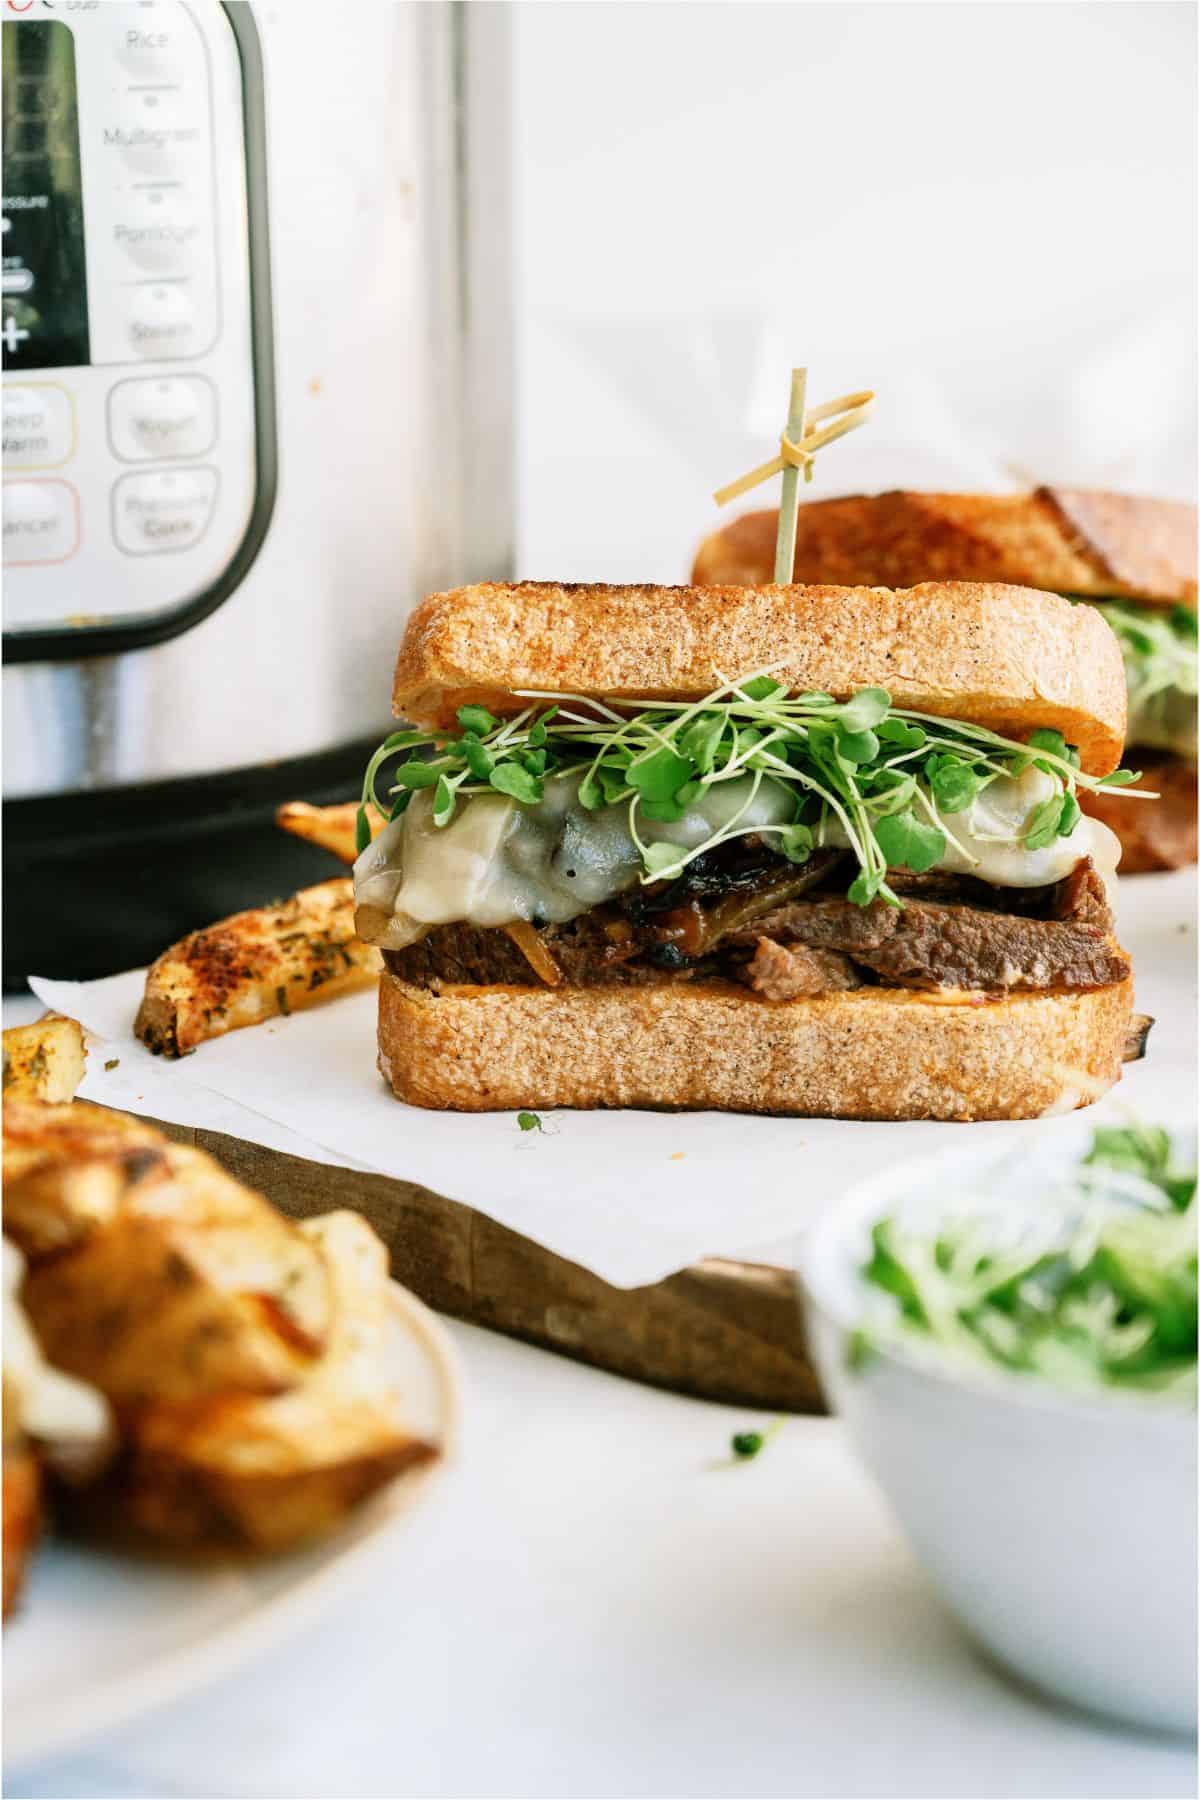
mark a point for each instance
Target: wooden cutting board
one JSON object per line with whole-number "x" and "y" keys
{"x": 721, "y": 1330}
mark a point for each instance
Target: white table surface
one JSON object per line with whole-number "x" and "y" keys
{"x": 590, "y": 1606}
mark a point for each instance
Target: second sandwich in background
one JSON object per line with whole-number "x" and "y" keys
{"x": 1133, "y": 558}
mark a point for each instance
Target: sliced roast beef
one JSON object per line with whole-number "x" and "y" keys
{"x": 1079, "y": 896}
{"x": 787, "y": 971}
{"x": 931, "y": 945}
{"x": 760, "y": 920}
{"x": 599, "y": 949}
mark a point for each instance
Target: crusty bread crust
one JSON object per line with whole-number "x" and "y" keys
{"x": 1064, "y": 540}
{"x": 876, "y": 1053}
{"x": 1003, "y": 657}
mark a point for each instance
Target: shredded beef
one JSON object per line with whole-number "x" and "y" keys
{"x": 759, "y": 920}
{"x": 1079, "y": 896}
{"x": 930, "y": 945}
{"x": 786, "y": 971}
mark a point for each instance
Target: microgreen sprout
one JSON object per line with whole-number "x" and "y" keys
{"x": 890, "y": 781}
{"x": 1098, "y": 1288}
{"x": 530, "y": 1121}
{"x": 746, "y": 1445}
{"x": 1159, "y": 648}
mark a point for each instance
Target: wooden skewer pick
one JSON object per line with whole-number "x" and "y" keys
{"x": 785, "y": 541}
{"x": 797, "y": 448}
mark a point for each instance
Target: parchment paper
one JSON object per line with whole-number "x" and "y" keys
{"x": 632, "y": 1196}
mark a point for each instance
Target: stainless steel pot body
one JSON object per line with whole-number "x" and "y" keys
{"x": 359, "y": 216}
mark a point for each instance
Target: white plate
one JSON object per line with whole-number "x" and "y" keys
{"x": 101, "y": 1637}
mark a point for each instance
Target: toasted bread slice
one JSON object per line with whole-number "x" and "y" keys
{"x": 875, "y": 1053}
{"x": 1002, "y": 657}
{"x": 1065, "y": 540}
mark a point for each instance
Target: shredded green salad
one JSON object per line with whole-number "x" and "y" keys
{"x": 1094, "y": 1290}
{"x": 893, "y": 779}
{"x": 1159, "y": 650}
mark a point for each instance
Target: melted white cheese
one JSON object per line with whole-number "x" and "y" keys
{"x": 497, "y": 862}
{"x": 985, "y": 839}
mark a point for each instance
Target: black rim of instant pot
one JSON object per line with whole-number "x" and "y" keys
{"x": 68, "y": 643}
{"x": 105, "y": 880}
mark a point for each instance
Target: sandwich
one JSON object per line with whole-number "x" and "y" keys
{"x": 1133, "y": 559}
{"x": 811, "y": 850}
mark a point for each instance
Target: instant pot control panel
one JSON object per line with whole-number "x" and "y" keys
{"x": 138, "y": 435}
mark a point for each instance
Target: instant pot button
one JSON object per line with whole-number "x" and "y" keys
{"x": 153, "y": 129}
{"x": 167, "y": 510}
{"x": 175, "y": 415}
{"x": 152, "y": 50}
{"x": 39, "y": 427}
{"x": 156, "y": 228}
{"x": 161, "y": 320}
{"x": 41, "y": 521}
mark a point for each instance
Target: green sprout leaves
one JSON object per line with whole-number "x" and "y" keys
{"x": 861, "y": 774}
{"x": 416, "y": 774}
{"x": 866, "y": 709}
{"x": 908, "y": 843}
{"x": 1096, "y": 1288}
{"x": 952, "y": 782}
{"x": 513, "y": 779}
{"x": 659, "y": 776}
{"x": 477, "y": 720}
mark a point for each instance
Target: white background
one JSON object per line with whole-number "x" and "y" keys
{"x": 985, "y": 211}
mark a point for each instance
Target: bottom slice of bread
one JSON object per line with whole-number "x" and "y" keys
{"x": 875, "y": 1053}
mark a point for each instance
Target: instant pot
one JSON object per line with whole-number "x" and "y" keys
{"x": 257, "y": 401}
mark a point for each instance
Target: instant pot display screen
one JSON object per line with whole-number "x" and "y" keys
{"x": 44, "y": 278}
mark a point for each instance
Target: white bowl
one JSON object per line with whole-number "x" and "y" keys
{"x": 1060, "y": 1528}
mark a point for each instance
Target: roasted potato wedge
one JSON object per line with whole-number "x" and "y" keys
{"x": 44, "y": 1061}
{"x": 331, "y": 828}
{"x": 66, "y": 1169}
{"x": 22, "y": 1486}
{"x": 254, "y": 966}
{"x": 175, "y": 1280}
{"x": 267, "y": 1473}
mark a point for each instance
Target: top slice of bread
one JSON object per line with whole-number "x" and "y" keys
{"x": 1004, "y": 657}
{"x": 1064, "y": 540}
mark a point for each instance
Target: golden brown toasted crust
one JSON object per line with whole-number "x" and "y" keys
{"x": 1003, "y": 657}
{"x": 875, "y": 1053}
{"x": 1161, "y": 835}
{"x": 1064, "y": 540}
{"x": 22, "y": 1485}
{"x": 254, "y": 966}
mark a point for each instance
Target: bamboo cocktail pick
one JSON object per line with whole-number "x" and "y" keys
{"x": 797, "y": 447}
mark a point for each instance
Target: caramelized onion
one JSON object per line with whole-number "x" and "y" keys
{"x": 534, "y": 951}
{"x": 695, "y": 930}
